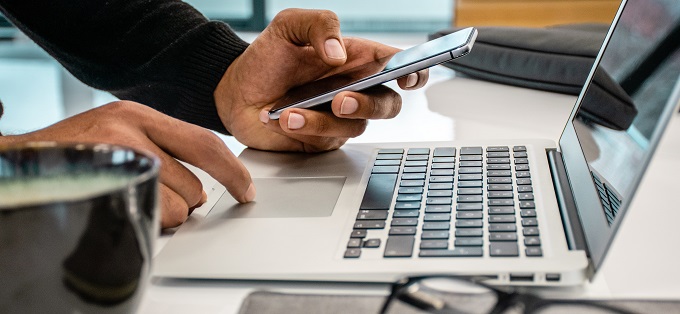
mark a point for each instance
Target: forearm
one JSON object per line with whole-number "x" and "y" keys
{"x": 162, "y": 53}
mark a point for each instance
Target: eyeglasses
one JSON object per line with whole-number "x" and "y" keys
{"x": 468, "y": 295}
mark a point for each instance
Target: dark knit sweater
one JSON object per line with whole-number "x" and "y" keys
{"x": 162, "y": 53}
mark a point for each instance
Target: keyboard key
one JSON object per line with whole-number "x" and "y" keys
{"x": 468, "y": 242}
{"x": 417, "y": 157}
{"x": 413, "y": 176}
{"x": 527, "y": 213}
{"x": 532, "y": 241}
{"x": 372, "y": 243}
{"x": 427, "y": 235}
{"x": 501, "y": 210}
{"x": 415, "y": 163}
{"x": 434, "y": 244}
{"x": 403, "y": 230}
{"x": 519, "y": 161}
{"x": 415, "y": 169}
{"x": 410, "y": 190}
{"x": 469, "y": 215}
{"x": 470, "y": 184}
{"x": 409, "y": 197}
{"x": 442, "y": 172}
{"x": 385, "y": 169}
{"x": 498, "y": 161}
{"x": 444, "y": 152}
{"x": 439, "y": 201}
{"x": 469, "y": 223}
{"x": 524, "y": 188}
{"x": 469, "y": 232}
{"x": 471, "y": 151}
{"x": 353, "y": 253}
{"x": 498, "y": 173}
{"x": 470, "y": 177}
{"x": 437, "y": 209}
{"x": 503, "y": 249}
{"x": 407, "y": 205}
{"x": 399, "y": 246}
{"x": 526, "y": 196}
{"x": 503, "y": 236}
{"x": 469, "y": 170}
{"x": 501, "y": 202}
{"x": 440, "y": 179}
{"x": 388, "y": 156}
{"x": 497, "y": 149}
{"x": 499, "y": 187}
{"x": 404, "y": 222}
{"x": 379, "y": 191}
{"x": 524, "y": 167}
{"x": 437, "y": 217}
{"x": 444, "y": 165}
{"x": 499, "y": 180}
{"x": 464, "y": 164}
{"x": 519, "y": 149}
{"x": 502, "y": 227}
{"x": 469, "y": 206}
{"x": 406, "y": 213}
{"x": 500, "y": 194}
{"x": 387, "y": 162}
{"x": 522, "y": 174}
{"x": 471, "y": 158}
{"x": 443, "y": 159}
{"x": 440, "y": 186}
{"x": 437, "y": 225}
{"x": 470, "y": 191}
{"x": 497, "y": 154}
{"x": 470, "y": 199}
{"x": 418, "y": 151}
{"x": 412, "y": 183}
{"x": 374, "y": 214}
{"x": 497, "y": 167}
{"x": 533, "y": 251}
{"x": 354, "y": 242}
{"x": 527, "y": 205}
{"x": 520, "y": 155}
{"x": 501, "y": 218}
{"x": 456, "y": 252}
{"x": 440, "y": 193}
{"x": 361, "y": 233}
{"x": 530, "y": 231}
{"x": 391, "y": 151}
{"x": 369, "y": 224}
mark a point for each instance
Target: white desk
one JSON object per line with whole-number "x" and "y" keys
{"x": 643, "y": 260}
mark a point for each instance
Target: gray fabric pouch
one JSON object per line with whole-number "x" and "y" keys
{"x": 265, "y": 302}
{"x": 556, "y": 59}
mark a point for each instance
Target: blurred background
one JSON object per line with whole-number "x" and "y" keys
{"x": 37, "y": 91}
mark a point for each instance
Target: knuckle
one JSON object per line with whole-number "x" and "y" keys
{"x": 329, "y": 19}
{"x": 360, "y": 128}
{"x": 174, "y": 211}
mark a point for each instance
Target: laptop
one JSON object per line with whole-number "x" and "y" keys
{"x": 520, "y": 212}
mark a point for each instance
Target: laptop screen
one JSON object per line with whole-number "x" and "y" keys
{"x": 626, "y": 106}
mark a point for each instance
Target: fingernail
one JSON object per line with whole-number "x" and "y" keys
{"x": 250, "y": 194}
{"x": 334, "y": 49}
{"x": 295, "y": 121}
{"x": 264, "y": 116}
{"x": 412, "y": 80}
{"x": 349, "y": 105}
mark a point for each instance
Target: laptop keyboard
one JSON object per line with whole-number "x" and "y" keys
{"x": 448, "y": 202}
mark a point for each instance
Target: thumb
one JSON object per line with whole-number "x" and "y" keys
{"x": 318, "y": 28}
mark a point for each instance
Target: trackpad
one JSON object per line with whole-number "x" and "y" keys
{"x": 284, "y": 197}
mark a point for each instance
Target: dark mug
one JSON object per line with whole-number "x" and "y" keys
{"x": 77, "y": 227}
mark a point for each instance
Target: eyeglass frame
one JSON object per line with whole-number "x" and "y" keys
{"x": 504, "y": 300}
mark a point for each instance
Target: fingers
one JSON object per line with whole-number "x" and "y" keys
{"x": 414, "y": 80}
{"x": 174, "y": 211}
{"x": 378, "y": 102}
{"x": 203, "y": 149}
{"x": 319, "y": 28}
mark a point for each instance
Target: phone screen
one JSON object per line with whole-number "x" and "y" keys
{"x": 378, "y": 71}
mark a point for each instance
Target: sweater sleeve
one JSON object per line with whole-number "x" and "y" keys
{"x": 162, "y": 53}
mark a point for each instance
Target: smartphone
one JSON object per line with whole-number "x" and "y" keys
{"x": 414, "y": 59}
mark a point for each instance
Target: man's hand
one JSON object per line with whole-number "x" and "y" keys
{"x": 140, "y": 127}
{"x": 301, "y": 46}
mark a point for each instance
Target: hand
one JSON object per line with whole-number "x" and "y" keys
{"x": 301, "y": 46}
{"x": 140, "y": 127}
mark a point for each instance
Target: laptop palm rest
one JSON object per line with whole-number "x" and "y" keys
{"x": 283, "y": 198}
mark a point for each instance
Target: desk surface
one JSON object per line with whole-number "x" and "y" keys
{"x": 642, "y": 262}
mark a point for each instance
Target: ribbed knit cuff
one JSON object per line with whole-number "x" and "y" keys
{"x": 216, "y": 48}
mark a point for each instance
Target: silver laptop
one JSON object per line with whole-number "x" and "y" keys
{"x": 525, "y": 212}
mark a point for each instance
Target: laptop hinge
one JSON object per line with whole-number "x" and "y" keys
{"x": 565, "y": 200}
